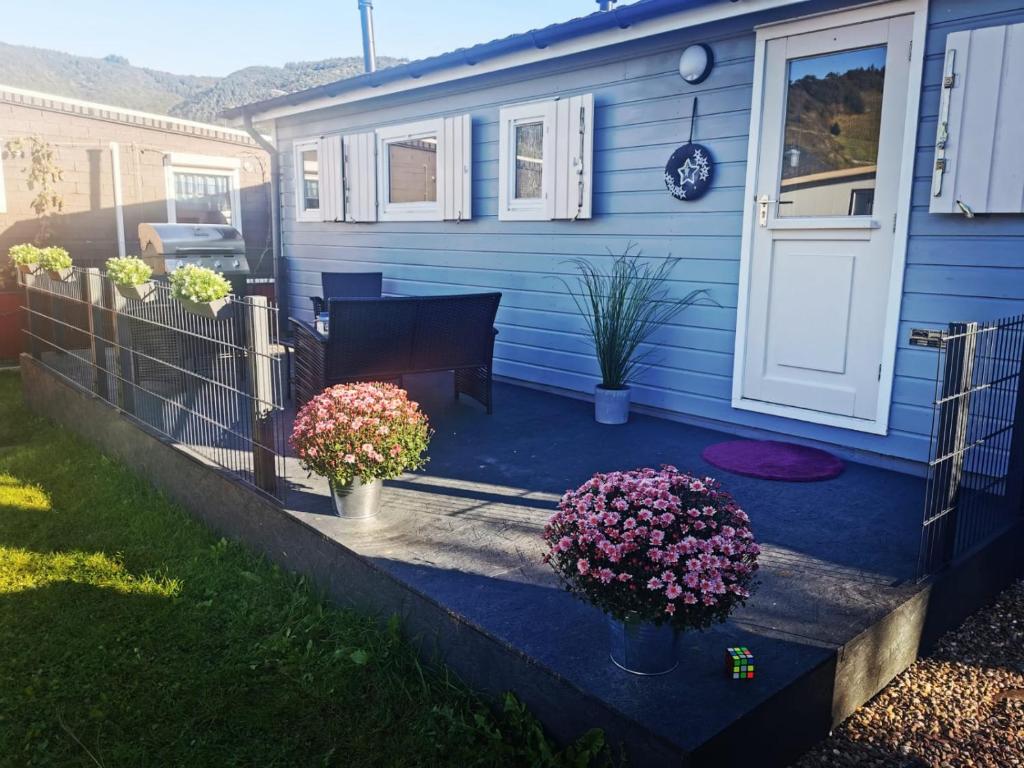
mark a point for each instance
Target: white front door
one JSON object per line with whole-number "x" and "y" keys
{"x": 832, "y": 118}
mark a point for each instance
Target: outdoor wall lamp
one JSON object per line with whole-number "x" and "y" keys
{"x": 696, "y": 63}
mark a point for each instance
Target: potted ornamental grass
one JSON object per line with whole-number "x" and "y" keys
{"x": 357, "y": 435}
{"x": 131, "y": 276}
{"x": 200, "y": 290}
{"x": 622, "y": 307}
{"x": 25, "y": 257}
{"x": 57, "y": 263}
{"x": 657, "y": 550}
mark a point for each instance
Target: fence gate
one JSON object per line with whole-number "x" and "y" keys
{"x": 976, "y": 460}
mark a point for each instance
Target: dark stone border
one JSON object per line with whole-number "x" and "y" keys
{"x": 774, "y": 733}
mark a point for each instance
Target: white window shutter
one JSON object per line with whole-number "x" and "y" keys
{"x": 574, "y": 151}
{"x": 457, "y": 174}
{"x": 360, "y": 177}
{"x": 332, "y": 193}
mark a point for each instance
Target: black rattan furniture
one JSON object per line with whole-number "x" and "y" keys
{"x": 384, "y": 339}
{"x": 347, "y": 285}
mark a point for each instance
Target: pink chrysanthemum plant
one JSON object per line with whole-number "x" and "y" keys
{"x": 371, "y": 431}
{"x": 654, "y": 545}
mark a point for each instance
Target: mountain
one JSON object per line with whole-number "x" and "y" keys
{"x": 113, "y": 80}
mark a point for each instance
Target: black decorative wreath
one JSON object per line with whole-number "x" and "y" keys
{"x": 689, "y": 172}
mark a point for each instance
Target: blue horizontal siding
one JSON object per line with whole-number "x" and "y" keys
{"x": 957, "y": 269}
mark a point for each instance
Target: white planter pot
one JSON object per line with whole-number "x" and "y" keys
{"x": 611, "y": 406}
{"x": 210, "y": 309}
{"x": 144, "y": 292}
{"x": 28, "y": 269}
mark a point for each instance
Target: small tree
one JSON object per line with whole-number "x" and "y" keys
{"x": 42, "y": 174}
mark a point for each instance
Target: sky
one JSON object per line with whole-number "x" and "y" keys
{"x": 211, "y": 37}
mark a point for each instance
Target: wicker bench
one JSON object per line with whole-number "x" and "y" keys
{"x": 385, "y": 339}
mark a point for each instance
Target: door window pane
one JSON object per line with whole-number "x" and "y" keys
{"x": 529, "y": 160}
{"x": 833, "y": 119}
{"x": 310, "y": 180}
{"x": 412, "y": 170}
{"x": 202, "y": 198}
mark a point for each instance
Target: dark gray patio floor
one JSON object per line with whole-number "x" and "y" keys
{"x": 838, "y": 555}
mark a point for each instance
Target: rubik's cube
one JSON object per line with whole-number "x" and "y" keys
{"x": 739, "y": 662}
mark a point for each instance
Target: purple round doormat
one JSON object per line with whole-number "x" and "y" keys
{"x": 772, "y": 460}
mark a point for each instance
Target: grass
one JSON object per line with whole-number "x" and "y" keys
{"x": 132, "y": 636}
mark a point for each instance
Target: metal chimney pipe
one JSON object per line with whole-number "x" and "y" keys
{"x": 369, "y": 50}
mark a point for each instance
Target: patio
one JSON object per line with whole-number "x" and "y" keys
{"x": 838, "y": 557}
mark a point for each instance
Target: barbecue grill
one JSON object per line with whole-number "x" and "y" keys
{"x": 165, "y": 247}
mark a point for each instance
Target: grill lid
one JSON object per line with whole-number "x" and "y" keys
{"x": 186, "y": 239}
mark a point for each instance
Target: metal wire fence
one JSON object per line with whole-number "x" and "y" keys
{"x": 212, "y": 386}
{"x": 976, "y": 464}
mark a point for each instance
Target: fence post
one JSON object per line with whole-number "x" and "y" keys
{"x": 261, "y": 390}
{"x": 122, "y": 353}
{"x": 954, "y": 410}
{"x": 1015, "y": 462}
{"x": 92, "y": 295}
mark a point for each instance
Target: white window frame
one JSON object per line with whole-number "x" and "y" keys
{"x": 432, "y": 210}
{"x": 302, "y": 213}
{"x": 510, "y": 207}
{"x": 208, "y": 165}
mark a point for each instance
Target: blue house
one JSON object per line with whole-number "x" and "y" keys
{"x": 865, "y": 181}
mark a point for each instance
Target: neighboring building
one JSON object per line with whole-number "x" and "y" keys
{"x": 553, "y": 144}
{"x": 122, "y": 167}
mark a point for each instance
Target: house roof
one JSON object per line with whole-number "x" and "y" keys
{"x": 593, "y": 30}
{"x": 54, "y": 103}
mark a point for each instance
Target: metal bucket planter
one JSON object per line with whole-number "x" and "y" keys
{"x": 357, "y": 499}
{"x": 642, "y": 648}
{"x": 144, "y": 292}
{"x": 611, "y": 406}
{"x": 210, "y": 309}
{"x": 62, "y": 275}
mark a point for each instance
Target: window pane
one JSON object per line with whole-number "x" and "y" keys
{"x": 833, "y": 119}
{"x": 412, "y": 170}
{"x": 310, "y": 180}
{"x": 529, "y": 160}
{"x": 202, "y": 198}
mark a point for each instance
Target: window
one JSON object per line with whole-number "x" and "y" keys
{"x": 409, "y": 157}
{"x": 202, "y": 190}
{"x": 307, "y": 180}
{"x": 545, "y": 152}
{"x": 526, "y": 161}
{"x": 833, "y": 123}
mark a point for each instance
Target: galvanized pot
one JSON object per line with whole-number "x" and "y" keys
{"x": 356, "y": 499}
{"x": 643, "y": 648}
{"x": 611, "y": 406}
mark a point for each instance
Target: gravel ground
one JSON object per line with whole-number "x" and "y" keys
{"x": 961, "y": 706}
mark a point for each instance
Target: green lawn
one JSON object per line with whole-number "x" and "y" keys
{"x": 131, "y": 636}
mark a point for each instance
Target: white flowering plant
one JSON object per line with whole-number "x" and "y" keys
{"x": 198, "y": 284}
{"x": 54, "y": 258}
{"x": 128, "y": 270}
{"x": 24, "y": 254}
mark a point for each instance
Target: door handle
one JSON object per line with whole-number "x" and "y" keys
{"x": 762, "y": 209}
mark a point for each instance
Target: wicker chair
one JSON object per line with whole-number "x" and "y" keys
{"x": 347, "y": 285}
{"x": 384, "y": 339}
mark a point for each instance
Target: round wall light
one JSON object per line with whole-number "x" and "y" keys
{"x": 696, "y": 63}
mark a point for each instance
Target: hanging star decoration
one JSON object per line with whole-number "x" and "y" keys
{"x": 688, "y": 173}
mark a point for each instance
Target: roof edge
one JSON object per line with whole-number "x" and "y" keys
{"x": 10, "y": 94}
{"x": 554, "y": 39}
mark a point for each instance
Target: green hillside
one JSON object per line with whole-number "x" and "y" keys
{"x": 113, "y": 80}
